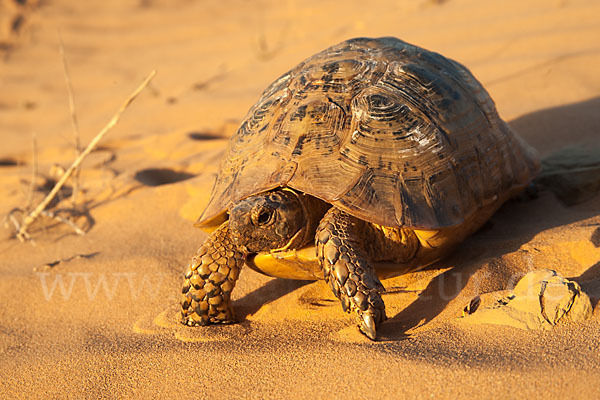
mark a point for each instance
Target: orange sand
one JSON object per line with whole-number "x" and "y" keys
{"x": 112, "y": 332}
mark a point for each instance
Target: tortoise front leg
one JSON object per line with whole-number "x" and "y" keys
{"x": 347, "y": 268}
{"x": 209, "y": 280}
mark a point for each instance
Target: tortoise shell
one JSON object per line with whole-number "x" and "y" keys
{"x": 389, "y": 132}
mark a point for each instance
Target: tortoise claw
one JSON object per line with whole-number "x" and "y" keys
{"x": 367, "y": 326}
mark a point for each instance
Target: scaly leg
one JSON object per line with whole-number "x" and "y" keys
{"x": 347, "y": 268}
{"x": 209, "y": 280}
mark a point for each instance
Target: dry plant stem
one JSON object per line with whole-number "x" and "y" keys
{"x": 33, "y": 172}
{"x": 10, "y": 217}
{"x": 28, "y": 220}
{"x": 63, "y": 220}
{"x": 14, "y": 220}
{"x": 74, "y": 123}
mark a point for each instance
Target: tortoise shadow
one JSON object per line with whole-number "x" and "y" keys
{"x": 590, "y": 283}
{"x": 515, "y": 223}
{"x": 554, "y": 128}
{"x": 273, "y": 290}
{"x": 475, "y": 253}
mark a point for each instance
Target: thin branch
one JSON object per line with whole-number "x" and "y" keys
{"x": 28, "y": 220}
{"x": 11, "y": 217}
{"x": 64, "y": 220}
{"x": 74, "y": 123}
{"x": 34, "y": 171}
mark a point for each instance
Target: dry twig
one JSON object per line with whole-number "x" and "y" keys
{"x": 10, "y": 217}
{"x": 74, "y": 123}
{"x": 63, "y": 220}
{"x": 33, "y": 172}
{"x": 29, "y": 219}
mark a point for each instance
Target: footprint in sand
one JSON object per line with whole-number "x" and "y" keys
{"x": 13, "y": 19}
{"x": 309, "y": 304}
{"x": 8, "y": 162}
{"x": 161, "y": 176}
{"x": 168, "y": 322}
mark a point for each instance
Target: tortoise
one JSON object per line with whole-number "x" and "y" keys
{"x": 369, "y": 159}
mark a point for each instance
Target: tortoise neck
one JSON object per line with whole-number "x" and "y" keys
{"x": 313, "y": 210}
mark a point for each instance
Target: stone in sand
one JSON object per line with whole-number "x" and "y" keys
{"x": 540, "y": 300}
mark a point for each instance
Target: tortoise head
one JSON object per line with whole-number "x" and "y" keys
{"x": 269, "y": 221}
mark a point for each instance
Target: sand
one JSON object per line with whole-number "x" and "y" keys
{"x": 110, "y": 330}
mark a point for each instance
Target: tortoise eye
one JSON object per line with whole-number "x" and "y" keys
{"x": 262, "y": 218}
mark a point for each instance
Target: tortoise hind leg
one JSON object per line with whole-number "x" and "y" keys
{"x": 347, "y": 269}
{"x": 209, "y": 280}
